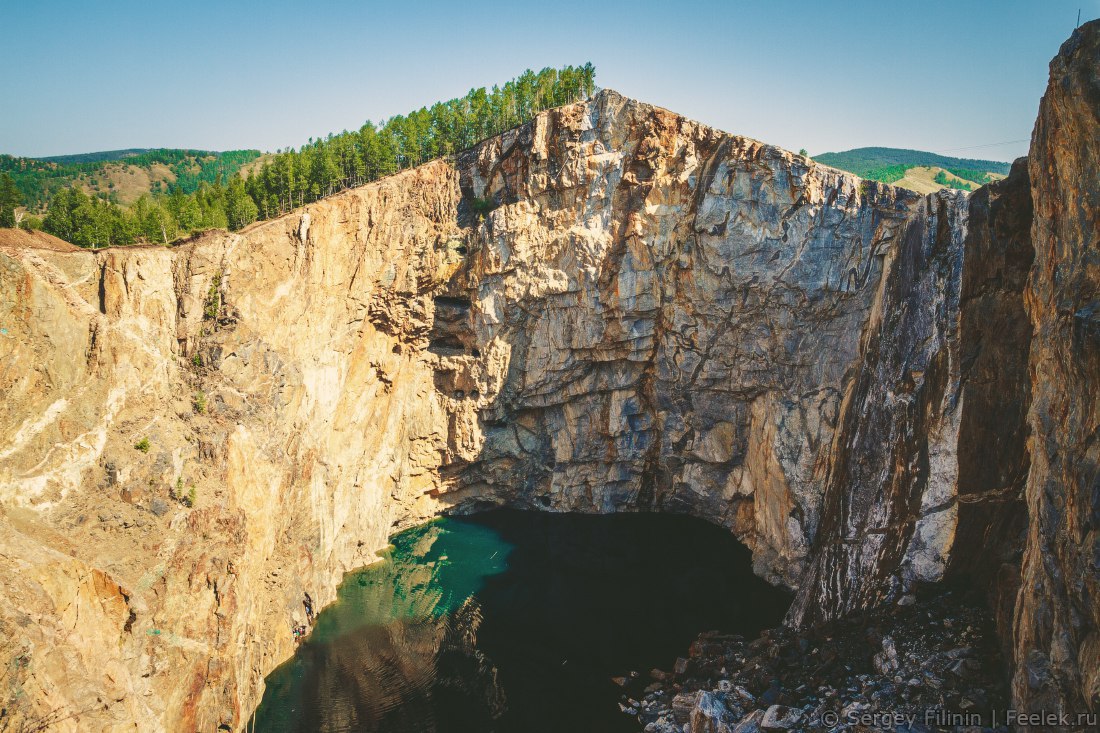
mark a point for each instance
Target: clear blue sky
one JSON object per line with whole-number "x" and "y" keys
{"x": 931, "y": 75}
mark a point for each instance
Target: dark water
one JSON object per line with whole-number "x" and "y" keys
{"x": 515, "y": 621}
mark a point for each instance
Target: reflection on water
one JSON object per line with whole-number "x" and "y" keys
{"x": 514, "y": 621}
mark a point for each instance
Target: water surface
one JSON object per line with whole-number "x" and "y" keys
{"x": 515, "y": 621}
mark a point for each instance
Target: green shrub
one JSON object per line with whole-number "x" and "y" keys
{"x": 190, "y": 500}
{"x": 200, "y": 402}
{"x": 969, "y": 174}
{"x": 31, "y": 223}
{"x": 481, "y": 207}
{"x": 945, "y": 180}
{"x": 213, "y": 303}
{"x": 142, "y": 445}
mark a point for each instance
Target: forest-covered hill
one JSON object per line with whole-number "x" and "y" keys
{"x": 120, "y": 176}
{"x": 890, "y": 165}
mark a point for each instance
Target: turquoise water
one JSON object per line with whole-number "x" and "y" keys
{"x": 514, "y": 621}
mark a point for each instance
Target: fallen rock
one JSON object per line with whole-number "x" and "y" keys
{"x": 780, "y": 717}
{"x": 682, "y": 706}
{"x": 886, "y": 661}
{"x": 750, "y": 723}
{"x": 710, "y": 715}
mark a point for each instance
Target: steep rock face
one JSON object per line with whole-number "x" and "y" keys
{"x": 890, "y": 511}
{"x": 929, "y": 465}
{"x": 251, "y": 370}
{"x": 989, "y": 408}
{"x": 667, "y": 317}
{"x": 653, "y": 315}
{"x": 994, "y": 343}
{"x": 1058, "y": 615}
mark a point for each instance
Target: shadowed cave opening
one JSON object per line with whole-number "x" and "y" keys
{"x": 513, "y": 620}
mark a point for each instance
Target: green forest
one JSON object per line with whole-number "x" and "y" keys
{"x": 217, "y": 196}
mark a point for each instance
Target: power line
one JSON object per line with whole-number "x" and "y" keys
{"x": 987, "y": 145}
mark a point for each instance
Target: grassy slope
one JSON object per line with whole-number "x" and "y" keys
{"x": 922, "y": 179}
{"x": 128, "y": 182}
{"x": 921, "y": 167}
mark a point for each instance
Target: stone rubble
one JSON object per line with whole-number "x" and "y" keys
{"x": 921, "y": 660}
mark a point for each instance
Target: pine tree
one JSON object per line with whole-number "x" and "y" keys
{"x": 240, "y": 209}
{"x": 10, "y": 199}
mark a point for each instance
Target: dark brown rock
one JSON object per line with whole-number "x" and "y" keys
{"x": 995, "y": 339}
{"x": 1058, "y": 615}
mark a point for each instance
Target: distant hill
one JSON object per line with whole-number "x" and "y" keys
{"x": 100, "y": 157}
{"x": 892, "y": 165}
{"x": 121, "y": 176}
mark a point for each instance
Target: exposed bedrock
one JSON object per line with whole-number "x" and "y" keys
{"x": 666, "y": 317}
{"x": 1057, "y": 634}
{"x": 652, "y": 316}
{"x": 988, "y": 414}
{"x": 611, "y": 308}
{"x": 929, "y": 465}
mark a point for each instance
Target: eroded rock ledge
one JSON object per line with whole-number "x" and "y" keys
{"x": 653, "y": 315}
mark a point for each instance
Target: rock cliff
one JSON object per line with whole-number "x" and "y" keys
{"x": 1057, "y": 620}
{"x": 611, "y": 308}
{"x": 989, "y": 473}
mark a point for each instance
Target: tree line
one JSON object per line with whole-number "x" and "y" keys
{"x": 294, "y": 177}
{"x": 886, "y": 173}
{"x": 92, "y": 221}
{"x": 862, "y": 161}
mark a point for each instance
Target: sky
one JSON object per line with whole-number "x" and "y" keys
{"x": 960, "y": 77}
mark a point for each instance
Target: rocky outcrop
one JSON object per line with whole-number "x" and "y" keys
{"x": 995, "y": 393}
{"x": 666, "y": 317}
{"x": 195, "y": 439}
{"x": 890, "y": 516}
{"x": 1057, "y": 635}
{"x": 611, "y": 308}
{"x": 930, "y": 464}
